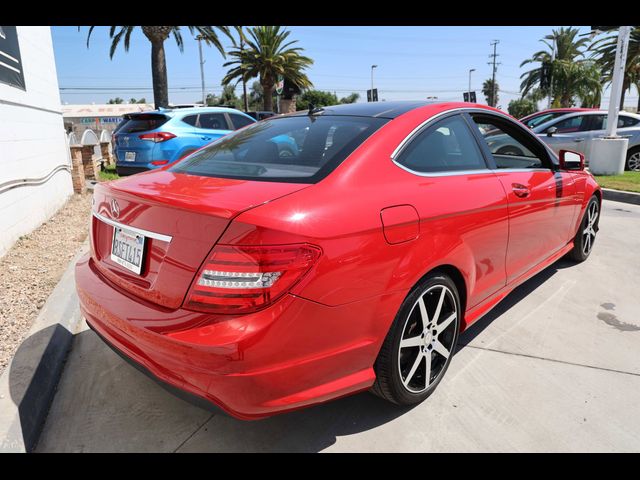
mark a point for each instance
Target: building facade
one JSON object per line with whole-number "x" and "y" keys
{"x": 35, "y": 178}
{"x": 78, "y": 118}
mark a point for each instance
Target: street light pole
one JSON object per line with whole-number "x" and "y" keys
{"x": 372, "y": 67}
{"x": 616, "y": 82}
{"x": 204, "y": 100}
{"x": 471, "y": 70}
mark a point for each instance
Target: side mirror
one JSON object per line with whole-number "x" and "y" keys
{"x": 551, "y": 131}
{"x": 571, "y": 160}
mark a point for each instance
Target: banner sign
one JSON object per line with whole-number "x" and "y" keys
{"x": 11, "y": 71}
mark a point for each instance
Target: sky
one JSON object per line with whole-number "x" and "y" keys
{"x": 413, "y": 63}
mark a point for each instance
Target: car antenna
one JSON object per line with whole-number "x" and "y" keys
{"x": 313, "y": 109}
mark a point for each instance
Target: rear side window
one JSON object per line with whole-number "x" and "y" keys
{"x": 143, "y": 123}
{"x": 209, "y": 121}
{"x": 447, "y": 146}
{"x": 301, "y": 149}
{"x": 240, "y": 121}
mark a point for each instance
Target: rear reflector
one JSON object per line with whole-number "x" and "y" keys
{"x": 243, "y": 279}
{"x": 159, "y": 162}
{"x": 157, "y": 136}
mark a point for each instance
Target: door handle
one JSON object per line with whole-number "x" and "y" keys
{"x": 578, "y": 140}
{"x": 205, "y": 138}
{"x": 520, "y": 190}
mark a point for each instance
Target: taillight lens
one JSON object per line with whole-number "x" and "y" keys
{"x": 157, "y": 137}
{"x": 159, "y": 162}
{"x": 242, "y": 279}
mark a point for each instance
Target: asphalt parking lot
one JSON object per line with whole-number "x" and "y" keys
{"x": 555, "y": 367}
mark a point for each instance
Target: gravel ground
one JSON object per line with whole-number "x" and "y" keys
{"x": 30, "y": 270}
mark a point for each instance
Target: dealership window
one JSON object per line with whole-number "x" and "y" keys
{"x": 11, "y": 68}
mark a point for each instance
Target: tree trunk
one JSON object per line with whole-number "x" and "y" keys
{"x": 625, "y": 86}
{"x": 159, "y": 75}
{"x": 638, "y": 107}
{"x": 268, "y": 96}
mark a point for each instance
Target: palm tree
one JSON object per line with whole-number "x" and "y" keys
{"x": 604, "y": 50}
{"x": 487, "y": 88}
{"x": 567, "y": 71}
{"x": 266, "y": 56}
{"x": 157, "y": 37}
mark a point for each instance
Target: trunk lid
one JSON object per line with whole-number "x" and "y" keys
{"x": 192, "y": 210}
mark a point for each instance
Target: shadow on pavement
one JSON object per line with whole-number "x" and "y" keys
{"x": 34, "y": 372}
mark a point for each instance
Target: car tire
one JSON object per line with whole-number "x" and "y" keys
{"x": 401, "y": 376}
{"x": 633, "y": 160}
{"x": 586, "y": 234}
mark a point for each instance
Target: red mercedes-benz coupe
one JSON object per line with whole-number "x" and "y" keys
{"x": 335, "y": 250}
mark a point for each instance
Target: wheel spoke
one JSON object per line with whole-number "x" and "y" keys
{"x": 427, "y": 370}
{"x": 414, "y": 367}
{"x": 424, "y": 316}
{"x": 443, "y": 326}
{"x": 436, "y": 315}
{"x": 441, "y": 349}
{"x": 411, "y": 342}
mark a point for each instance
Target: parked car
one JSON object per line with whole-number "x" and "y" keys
{"x": 148, "y": 140}
{"x": 543, "y": 116}
{"x": 572, "y": 132}
{"x": 262, "y": 282}
{"x": 261, "y": 115}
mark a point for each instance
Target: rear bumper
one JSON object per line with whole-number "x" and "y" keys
{"x": 291, "y": 355}
{"x": 125, "y": 171}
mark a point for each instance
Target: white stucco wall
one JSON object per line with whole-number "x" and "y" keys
{"x": 32, "y": 140}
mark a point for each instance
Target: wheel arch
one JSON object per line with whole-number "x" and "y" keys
{"x": 458, "y": 279}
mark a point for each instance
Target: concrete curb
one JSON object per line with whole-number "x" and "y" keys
{"x": 621, "y": 196}
{"x": 28, "y": 384}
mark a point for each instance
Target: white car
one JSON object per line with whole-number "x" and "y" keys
{"x": 572, "y": 132}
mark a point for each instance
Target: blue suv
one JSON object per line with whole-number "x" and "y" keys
{"x": 148, "y": 140}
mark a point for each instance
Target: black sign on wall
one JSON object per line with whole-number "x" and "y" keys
{"x": 11, "y": 71}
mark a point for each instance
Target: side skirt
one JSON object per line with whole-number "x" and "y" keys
{"x": 474, "y": 314}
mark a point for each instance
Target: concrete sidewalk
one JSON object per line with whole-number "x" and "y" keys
{"x": 555, "y": 367}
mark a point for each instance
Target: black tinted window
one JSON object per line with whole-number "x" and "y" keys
{"x": 447, "y": 146}
{"x": 143, "y": 123}
{"x": 296, "y": 149}
{"x": 240, "y": 121}
{"x": 579, "y": 123}
{"x": 191, "y": 120}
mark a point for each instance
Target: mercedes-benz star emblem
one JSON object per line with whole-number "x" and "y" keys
{"x": 115, "y": 208}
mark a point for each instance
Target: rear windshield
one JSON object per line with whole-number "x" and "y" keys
{"x": 300, "y": 149}
{"x": 143, "y": 123}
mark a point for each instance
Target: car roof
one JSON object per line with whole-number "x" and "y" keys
{"x": 192, "y": 110}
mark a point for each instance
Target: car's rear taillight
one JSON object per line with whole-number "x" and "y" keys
{"x": 159, "y": 162}
{"x": 157, "y": 136}
{"x": 242, "y": 279}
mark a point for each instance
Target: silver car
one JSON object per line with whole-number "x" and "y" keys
{"x": 572, "y": 132}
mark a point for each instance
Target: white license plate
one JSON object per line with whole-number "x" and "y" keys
{"x": 129, "y": 156}
{"x": 127, "y": 249}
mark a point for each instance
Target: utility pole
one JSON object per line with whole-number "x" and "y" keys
{"x": 204, "y": 99}
{"x": 493, "y": 102}
{"x": 553, "y": 57}
{"x": 244, "y": 81}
